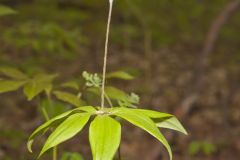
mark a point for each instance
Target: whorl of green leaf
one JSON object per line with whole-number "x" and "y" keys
{"x": 104, "y": 131}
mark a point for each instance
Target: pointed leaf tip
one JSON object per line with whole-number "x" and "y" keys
{"x": 172, "y": 123}
{"x": 144, "y": 122}
{"x": 29, "y": 145}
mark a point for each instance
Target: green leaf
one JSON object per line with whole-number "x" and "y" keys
{"x": 142, "y": 121}
{"x": 52, "y": 107}
{"x": 194, "y": 148}
{"x": 13, "y": 73}
{"x": 131, "y": 101}
{"x": 66, "y": 130}
{"x": 37, "y": 85}
{"x": 49, "y": 123}
{"x": 154, "y": 114}
{"x": 10, "y": 85}
{"x": 104, "y": 136}
{"x": 112, "y": 92}
{"x": 208, "y": 148}
{"x": 88, "y": 109}
{"x": 172, "y": 123}
{"x": 71, "y": 156}
{"x": 4, "y": 10}
{"x": 120, "y": 75}
{"x": 69, "y": 98}
{"x": 115, "y": 93}
{"x": 71, "y": 84}
{"x": 43, "y": 128}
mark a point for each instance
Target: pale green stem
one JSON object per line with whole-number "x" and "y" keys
{"x": 45, "y": 114}
{"x": 55, "y": 153}
{"x": 55, "y": 147}
{"x": 109, "y": 100}
{"x": 106, "y": 53}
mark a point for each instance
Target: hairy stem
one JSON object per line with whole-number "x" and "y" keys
{"x": 106, "y": 53}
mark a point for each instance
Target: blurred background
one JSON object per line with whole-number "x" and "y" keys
{"x": 185, "y": 56}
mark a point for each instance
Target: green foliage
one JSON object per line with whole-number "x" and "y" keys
{"x": 144, "y": 122}
{"x": 130, "y": 101}
{"x": 172, "y": 123}
{"x": 69, "y": 98}
{"x": 204, "y": 147}
{"x": 71, "y": 156}
{"x": 105, "y": 131}
{"x": 32, "y": 86}
{"x": 92, "y": 80}
{"x": 13, "y": 73}
{"x": 52, "y": 107}
{"x": 52, "y": 121}
{"x": 4, "y": 10}
{"x": 120, "y": 75}
{"x": 104, "y": 137}
{"x": 66, "y": 130}
{"x": 10, "y": 85}
{"x": 38, "y": 84}
{"x": 71, "y": 84}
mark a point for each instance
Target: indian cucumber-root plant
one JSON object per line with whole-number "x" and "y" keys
{"x": 105, "y": 128}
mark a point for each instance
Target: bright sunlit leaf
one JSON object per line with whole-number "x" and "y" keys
{"x": 172, "y": 123}
{"x": 142, "y": 121}
{"x": 66, "y": 130}
{"x": 153, "y": 114}
{"x": 46, "y": 125}
{"x": 104, "y": 136}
